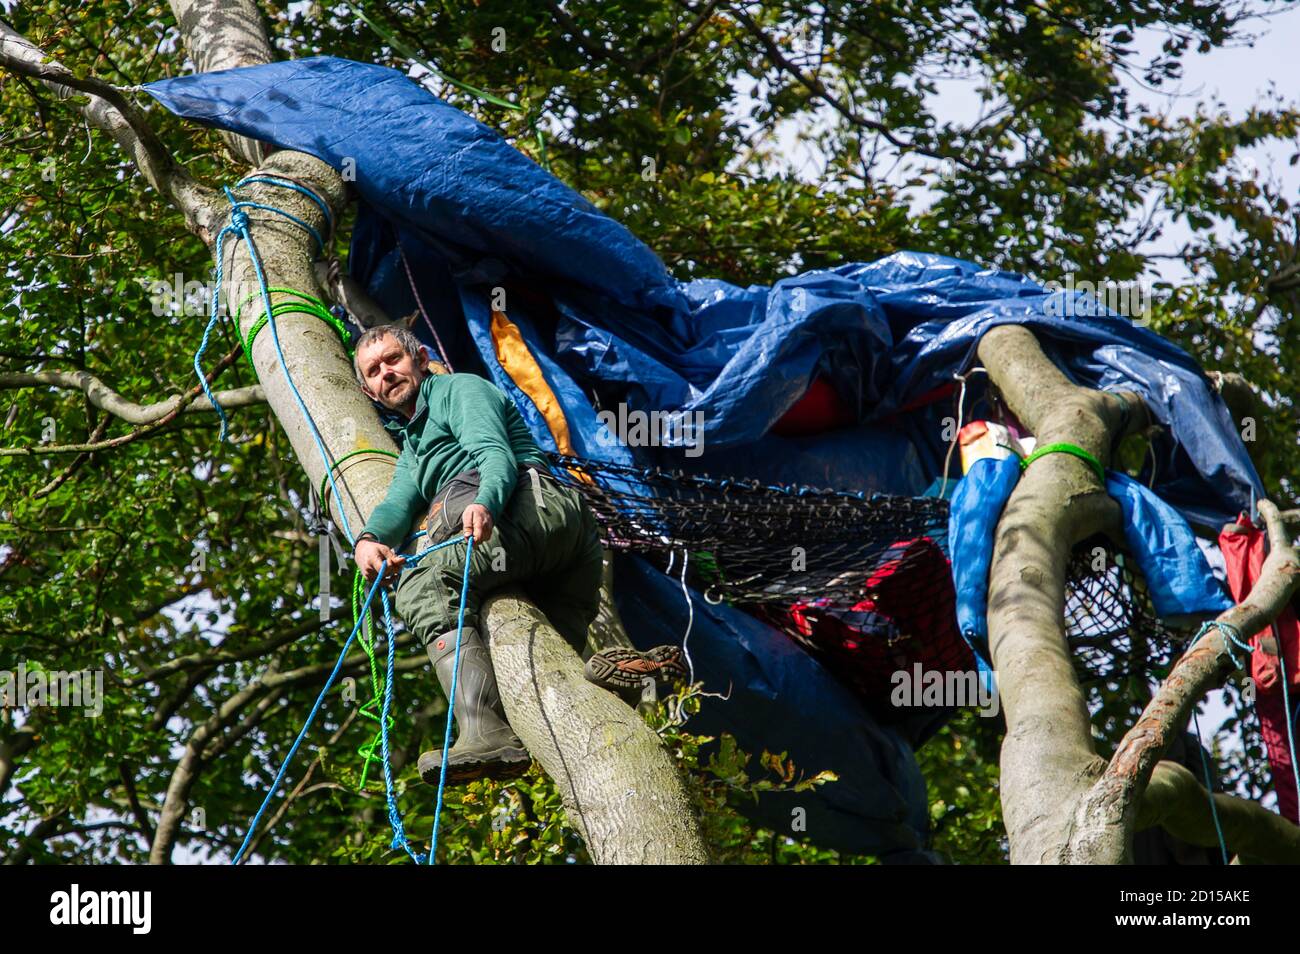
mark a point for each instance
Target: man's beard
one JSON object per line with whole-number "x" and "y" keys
{"x": 398, "y": 396}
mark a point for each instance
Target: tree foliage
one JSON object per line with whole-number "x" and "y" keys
{"x": 1063, "y": 170}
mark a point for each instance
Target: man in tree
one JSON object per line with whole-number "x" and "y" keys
{"x": 468, "y": 457}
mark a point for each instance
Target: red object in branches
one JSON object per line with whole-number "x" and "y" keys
{"x": 820, "y": 409}
{"x": 1244, "y": 547}
{"x": 909, "y": 616}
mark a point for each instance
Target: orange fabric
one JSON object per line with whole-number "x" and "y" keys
{"x": 517, "y": 361}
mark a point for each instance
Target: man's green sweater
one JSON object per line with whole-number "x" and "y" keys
{"x": 461, "y": 422}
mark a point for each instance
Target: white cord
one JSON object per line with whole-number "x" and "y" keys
{"x": 961, "y": 402}
{"x": 690, "y": 623}
{"x": 690, "y": 617}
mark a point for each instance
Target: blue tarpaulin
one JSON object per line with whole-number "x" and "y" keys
{"x": 1177, "y": 574}
{"x": 605, "y": 324}
{"x": 885, "y": 333}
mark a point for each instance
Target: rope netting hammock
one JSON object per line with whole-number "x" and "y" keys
{"x": 862, "y": 581}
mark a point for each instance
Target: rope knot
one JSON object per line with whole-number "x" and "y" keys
{"x": 239, "y": 219}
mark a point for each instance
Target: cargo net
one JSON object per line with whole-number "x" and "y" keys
{"x": 862, "y": 581}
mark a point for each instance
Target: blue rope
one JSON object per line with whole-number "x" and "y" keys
{"x": 1209, "y": 787}
{"x": 1231, "y": 636}
{"x": 394, "y": 813}
{"x": 394, "y": 816}
{"x": 286, "y": 184}
{"x": 320, "y": 242}
{"x": 239, "y": 226}
{"x": 451, "y": 699}
{"x": 284, "y": 767}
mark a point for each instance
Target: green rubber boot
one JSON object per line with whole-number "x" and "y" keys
{"x": 486, "y": 746}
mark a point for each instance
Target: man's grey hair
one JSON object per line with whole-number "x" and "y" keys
{"x": 403, "y": 336}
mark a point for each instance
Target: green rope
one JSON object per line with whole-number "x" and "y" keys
{"x": 308, "y": 306}
{"x": 373, "y": 707}
{"x": 366, "y": 450}
{"x": 1064, "y": 448}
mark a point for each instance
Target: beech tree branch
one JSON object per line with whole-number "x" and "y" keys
{"x": 106, "y": 399}
{"x": 192, "y": 760}
{"x": 1177, "y": 802}
{"x": 1048, "y": 755}
{"x": 1108, "y": 814}
{"x": 140, "y": 432}
{"x": 107, "y": 108}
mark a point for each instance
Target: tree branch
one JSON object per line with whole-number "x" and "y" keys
{"x": 300, "y": 788}
{"x": 106, "y": 399}
{"x": 138, "y": 433}
{"x": 1179, "y": 804}
{"x": 257, "y": 650}
{"x": 818, "y": 89}
{"x": 1107, "y": 815}
{"x": 1048, "y": 754}
{"x": 107, "y": 108}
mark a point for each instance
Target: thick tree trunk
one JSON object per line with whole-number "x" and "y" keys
{"x": 620, "y": 786}
{"x": 1062, "y": 803}
{"x": 1047, "y": 756}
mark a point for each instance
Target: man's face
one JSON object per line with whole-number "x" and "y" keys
{"x": 392, "y": 376}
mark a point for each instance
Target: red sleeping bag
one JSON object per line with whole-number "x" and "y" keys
{"x": 1243, "y": 549}
{"x": 908, "y": 616}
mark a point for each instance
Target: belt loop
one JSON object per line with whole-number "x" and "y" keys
{"x": 537, "y": 488}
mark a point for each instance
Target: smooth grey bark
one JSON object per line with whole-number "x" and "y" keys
{"x": 624, "y": 776}
{"x": 1062, "y": 802}
{"x": 223, "y": 36}
{"x": 620, "y": 788}
{"x": 106, "y": 399}
{"x": 1047, "y": 754}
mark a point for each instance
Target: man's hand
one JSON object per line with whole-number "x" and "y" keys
{"x": 477, "y": 521}
{"x": 370, "y": 555}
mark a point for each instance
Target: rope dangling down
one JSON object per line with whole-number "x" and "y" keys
{"x": 442, "y": 352}
{"x": 956, "y": 434}
{"x": 1209, "y": 788}
{"x": 293, "y": 750}
{"x": 394, "y": 814}
{"x": 451, "y": 700}
{"x": 1232, "y": 637}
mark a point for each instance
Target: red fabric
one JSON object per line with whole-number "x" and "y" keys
{"x": 909, "y": 616}
{"x": 820, "y": 409}
{"x": 1243, "y": 553}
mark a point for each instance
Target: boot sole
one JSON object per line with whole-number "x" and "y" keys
{"x": 503, "y": 764}
{"x": 620, "y": 668}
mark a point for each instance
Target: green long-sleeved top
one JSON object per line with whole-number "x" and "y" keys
{"x": 461, "y": 421}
